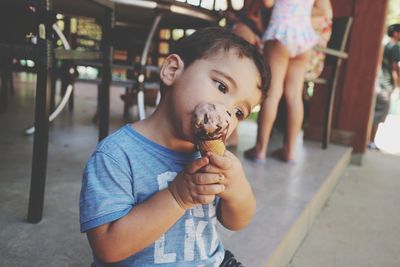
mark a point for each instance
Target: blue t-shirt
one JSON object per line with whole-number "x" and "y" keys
{"x": 125, "y": 170}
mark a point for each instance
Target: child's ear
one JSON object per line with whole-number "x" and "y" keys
{"x": 171, "y": 68}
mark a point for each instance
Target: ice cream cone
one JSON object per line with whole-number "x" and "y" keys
{"x": 210, "y": 123}
{"x": 217, "y": 146}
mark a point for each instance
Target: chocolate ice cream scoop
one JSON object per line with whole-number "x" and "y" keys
{"x": 211, "y": 121}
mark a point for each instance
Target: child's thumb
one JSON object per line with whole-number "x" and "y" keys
{"x": 197, "y": 164}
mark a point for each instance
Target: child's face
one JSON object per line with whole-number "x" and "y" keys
{"x": 223, "y": 78}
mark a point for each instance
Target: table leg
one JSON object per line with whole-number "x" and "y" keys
{"x": 41, "y": 137}
{"x": 104, "y": 92}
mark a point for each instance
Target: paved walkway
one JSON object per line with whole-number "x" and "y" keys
{"x": 360, "y": 225}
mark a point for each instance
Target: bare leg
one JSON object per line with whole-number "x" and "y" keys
{"x": 374, "y": 129}
{"x": 293, "y": 88}
{"x": 278, "y": 58}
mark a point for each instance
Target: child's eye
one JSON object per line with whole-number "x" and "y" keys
{"x": 221, "y": 86}
{"x": 240, "y": 114}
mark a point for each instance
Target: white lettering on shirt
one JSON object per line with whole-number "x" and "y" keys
{"x": 194, "y": 232}
{"x": 189, "y": 240}
{"x": 159, "y": 254}
{"x": 198, "y": 211}
{"x": 164, "y": 178}
{"x": 214, "y": 240}
{"x": 199, "y": 239}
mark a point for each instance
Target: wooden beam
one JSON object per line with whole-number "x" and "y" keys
{"x": 355, "y": 94}
{"x": 355, "y": 103}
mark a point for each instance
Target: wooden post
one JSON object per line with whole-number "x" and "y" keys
{"x": 354, "y": 108}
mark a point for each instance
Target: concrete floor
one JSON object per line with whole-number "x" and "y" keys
{"x": 283, "y": 191}
{"x": 359, "y": 226}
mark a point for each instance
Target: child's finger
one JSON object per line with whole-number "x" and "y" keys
{"x": 204, "y": 199}
{"x": 213, "y": 170}
{"x": 223, "y": 162}
{"x": 210, "y": 168}
{"x": 207, "y": 178}
{"x": 196, "y": 165}
{"x": 210, "y": 189}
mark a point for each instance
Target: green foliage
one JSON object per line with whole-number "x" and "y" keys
{"x": 253, "y": 116}
{"x": 393, "y": 15}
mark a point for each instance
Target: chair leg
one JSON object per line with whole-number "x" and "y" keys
{"x": 327, "y": 124}
{"x": 327, "y": 127}
{"x": 10, "y": 82}
{"x": 95, "y": 118}
{"x": 126, "y": 105}
{"x": 53, "y": 90}
{"x": 103, "y": 106}
{"x": 71, "y": 102}
{"x": 3, "y": 90}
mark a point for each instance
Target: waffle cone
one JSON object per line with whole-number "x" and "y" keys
{"x": 217, "y": 146}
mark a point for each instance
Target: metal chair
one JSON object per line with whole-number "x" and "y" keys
{"x": 152, "y": 15}
{"x": 335, "y": 55}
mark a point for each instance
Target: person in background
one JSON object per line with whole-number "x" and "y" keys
{"x": 288, "y": 41}
{"x": 248, "y": 23}
{"x": 388, "y": 79}
{"x": 322, "y": 24}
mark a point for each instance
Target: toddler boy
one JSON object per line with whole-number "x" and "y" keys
{"x": 148, "y": 197}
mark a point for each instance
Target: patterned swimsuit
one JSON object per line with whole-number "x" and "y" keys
{"x": 291, "y": 25}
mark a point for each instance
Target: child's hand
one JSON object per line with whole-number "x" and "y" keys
{"x": 237, "y": 205}
{"x": 191, "y": 188}
{"x": 231, "y": 168}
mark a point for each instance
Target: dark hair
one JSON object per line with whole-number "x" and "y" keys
{"x": 392, "y": 29}
{"x": 206, "y": 42}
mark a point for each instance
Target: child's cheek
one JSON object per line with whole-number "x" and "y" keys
{"x": 232, "y": 127}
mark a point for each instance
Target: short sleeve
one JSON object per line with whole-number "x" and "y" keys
{"x": 395, "y": 55}
{"x": 106, "y": 193}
